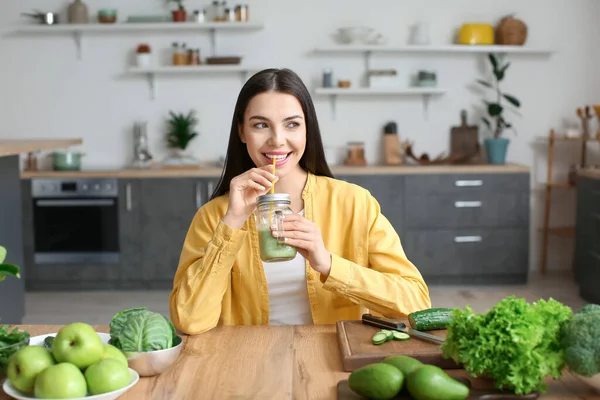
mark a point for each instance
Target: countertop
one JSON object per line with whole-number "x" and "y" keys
{"x": 16, "y": 146}
{"x": 270, "y": 362}
{"x": 337, "y": 170}
{"x": 593, "y": 173}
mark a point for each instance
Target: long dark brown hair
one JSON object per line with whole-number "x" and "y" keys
{"x": 238, "y": 160}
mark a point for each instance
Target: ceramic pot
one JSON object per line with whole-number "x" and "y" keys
{"x": 78, "y": 12}
{"x": 66, "y": 161}
{"x": 496, "y": 150}
{"x": 179, "y": 15}
{"x": 144, "y": 60}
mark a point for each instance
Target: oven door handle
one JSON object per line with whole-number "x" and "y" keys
{"x": 75, "y": 203}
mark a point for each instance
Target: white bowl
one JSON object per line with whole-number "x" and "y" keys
{"x": 10, "y": 390}
{"x": 134, "y": 377}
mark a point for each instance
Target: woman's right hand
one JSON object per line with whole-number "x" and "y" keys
{"x": 244, "y": 189}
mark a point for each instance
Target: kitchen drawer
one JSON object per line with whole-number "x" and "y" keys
{"x": 467, "y": 210}
{"x": 468, "y": 252}
{"x": 466, "y": 183}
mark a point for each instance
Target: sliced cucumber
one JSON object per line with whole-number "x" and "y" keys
{"x": 400, "y": 336}
{"x": 379, "y": 338}
{"x": 390, "y": 334}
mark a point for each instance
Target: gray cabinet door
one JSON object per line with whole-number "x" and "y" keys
{"x": 167, "y": 209}
{"x": 388, "y": 190}
{"x": 12, "y": 290}
{"x": 130, "y": 230}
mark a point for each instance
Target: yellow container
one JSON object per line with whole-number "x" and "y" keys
{"x": 476, "y": 34}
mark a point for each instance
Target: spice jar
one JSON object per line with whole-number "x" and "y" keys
{"x": 193, "y": 57}
{"x": 241, "y": 12}
{"x": 229, "y": 14}
{"x": 179, "y": 57}
{"x": 270, "y": 210}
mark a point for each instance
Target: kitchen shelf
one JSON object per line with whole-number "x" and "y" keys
{"x": 152, "y": 72}
{"x": 425, "y": 92}
{"x": 78, "y": 30}
{"x": 453, "y": 48}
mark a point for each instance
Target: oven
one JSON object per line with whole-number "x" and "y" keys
{"x": 75, "y": 221}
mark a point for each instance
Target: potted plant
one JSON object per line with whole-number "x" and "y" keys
{"x": 180, "y": 132}
{"x": 497, "y": 146}
{"x": 179, "y": 14}
{"x": 144, "y": 56}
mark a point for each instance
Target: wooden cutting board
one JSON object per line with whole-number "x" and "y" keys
{"x": 464, "y": 140}
{"x": 345, "y": 393}
{"x": 357, "y": 349}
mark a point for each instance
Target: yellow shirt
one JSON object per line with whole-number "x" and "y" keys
{"x": 220, "y": 278}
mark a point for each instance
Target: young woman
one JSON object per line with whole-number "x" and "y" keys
{"x": 349, "y": 258}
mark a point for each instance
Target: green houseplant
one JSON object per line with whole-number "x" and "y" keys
{"x": 180, "y": 132}
{"x": 179, "y": 14}
{"x": 497, "y": 146}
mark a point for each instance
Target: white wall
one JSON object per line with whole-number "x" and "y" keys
{"x": 46, "y": 92}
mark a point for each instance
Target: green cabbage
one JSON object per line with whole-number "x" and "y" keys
{"x": 139, "y": 330}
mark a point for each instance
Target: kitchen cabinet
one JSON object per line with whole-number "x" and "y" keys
{"x": 12, "y": 290}
{"x": 456, "y": 228}
{"x": 587, "y": 238}
{"x": 468, "y": 228}
{"x": 387, "y": 190}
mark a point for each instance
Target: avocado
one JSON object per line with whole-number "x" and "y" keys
{"x": 405, "y": 364}
{"x": 432, "y": 383}
{"x": 376, "y": 381}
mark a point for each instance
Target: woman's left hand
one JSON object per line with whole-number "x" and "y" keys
{"x": 305, "y": 236}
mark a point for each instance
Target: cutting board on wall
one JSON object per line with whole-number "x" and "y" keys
{"x": 464, "y": 141}
{"x": 357, "y": 349}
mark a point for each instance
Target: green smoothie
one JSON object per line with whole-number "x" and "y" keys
{"x": 271, "y": 251}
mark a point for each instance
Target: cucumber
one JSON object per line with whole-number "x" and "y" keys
{"x": 389, "y": 334}
{"x": 400, "y": 335}
{"x": 379, "y": 338}
{"x": 430, "y": 319}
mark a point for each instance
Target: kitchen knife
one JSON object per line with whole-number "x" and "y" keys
{"x": 383, "y": 323}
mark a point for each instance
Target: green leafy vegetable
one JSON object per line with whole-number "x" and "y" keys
{"x": 138, "y": 330}
{"x": 515, "y": 343}
{"x": 48, "y": 342}
{"x": 10, "y": 342}
{"x": 580, "y": 339}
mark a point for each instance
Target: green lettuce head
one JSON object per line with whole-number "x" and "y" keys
{"x": 140, "y": 330}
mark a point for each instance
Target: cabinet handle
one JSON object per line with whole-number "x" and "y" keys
{"x": 128, "y": 196}
{"x": 467, "y": 239}
{"x": 476, "y": 182}
{"x": 467, "y": 204}
{"x": 198, "y": 196}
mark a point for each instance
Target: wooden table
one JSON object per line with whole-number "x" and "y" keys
{"x": 267, "y": 362}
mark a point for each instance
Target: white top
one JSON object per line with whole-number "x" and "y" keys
{"x": 288, "y": 294}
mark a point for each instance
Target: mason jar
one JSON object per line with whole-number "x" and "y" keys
{"x": 270, "y": 211}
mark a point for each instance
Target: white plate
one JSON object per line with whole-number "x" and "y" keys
{"x": 134, "y": 377}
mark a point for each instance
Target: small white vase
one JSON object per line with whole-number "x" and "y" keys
{"x": 144, "y": 60}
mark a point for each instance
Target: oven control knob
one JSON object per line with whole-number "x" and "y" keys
{"x": 96, "y": 187}
{"x": 84, "y": 187}
{"x": 108, "y": 186}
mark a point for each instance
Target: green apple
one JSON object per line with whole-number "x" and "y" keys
{"x": 60, "y": 381}
{"x": 106, "y": 375}
{"x": 26, "y": 364}
{"x": 111, "y": 351}
{"x": 78, "y": 344}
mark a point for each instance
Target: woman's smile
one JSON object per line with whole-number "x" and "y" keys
{"x": 280, "y": 156}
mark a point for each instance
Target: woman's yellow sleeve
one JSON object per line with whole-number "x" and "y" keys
{"x": 391, "y": 285}
{"x": 203, "y": 274}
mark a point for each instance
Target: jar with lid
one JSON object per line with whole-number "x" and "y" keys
{"x": 179, "y": 54}
{"x": 241, "y": 13}
{"x": 229, "y": 14}
{"x": 270, "y": 211}
{"x": 199, "y": 16}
